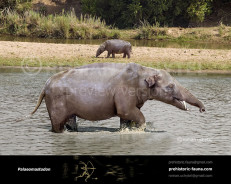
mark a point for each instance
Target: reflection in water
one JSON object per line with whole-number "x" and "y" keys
{"x": 147, "y": 43}
{"x": 170, "y": 131}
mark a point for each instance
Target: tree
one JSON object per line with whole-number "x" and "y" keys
{"x": 129, "y": 13}
{"x": 7, "y": 4}
{"x": 197, "y": 10}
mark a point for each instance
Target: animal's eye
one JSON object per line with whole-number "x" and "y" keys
{"x": 171, "y": 86}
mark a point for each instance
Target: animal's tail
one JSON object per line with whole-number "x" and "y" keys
{"x": 42, "y": 94}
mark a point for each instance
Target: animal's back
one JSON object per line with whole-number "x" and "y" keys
{"x": 96, "y": 74}
{"x": 115, "y": 41}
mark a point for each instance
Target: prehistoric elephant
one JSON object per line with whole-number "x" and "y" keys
{"x": 103, "y": 90}
{"x": 115, "y": 46}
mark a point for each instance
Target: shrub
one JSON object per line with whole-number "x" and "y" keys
{"x": 148, "y": 31}
{"x": 66, "y": 25}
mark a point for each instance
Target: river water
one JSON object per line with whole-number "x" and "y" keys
{"x": 140, "y": 43}
{"x": 169, "y": 131}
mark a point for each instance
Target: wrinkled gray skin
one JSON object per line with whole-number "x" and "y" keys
{"x": 103, "y": 90}
{"x": 115, "y": 46}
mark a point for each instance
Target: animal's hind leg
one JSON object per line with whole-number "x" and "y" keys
{"x": 128, "y": 54}
{"x": 58, "y": 120}
{"x": 108, "y": 54}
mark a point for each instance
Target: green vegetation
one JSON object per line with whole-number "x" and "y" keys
{"x": 220, "y": 34}
{"x": 66, "y": 25}
{"x": 124, "y": 14}
{"x": 147, "y": 31}
{"x": 74, "y": 62}
{"x": 129, "y": 13}
{"x": 148, "y": 19}
{"x": 18, "y": 5}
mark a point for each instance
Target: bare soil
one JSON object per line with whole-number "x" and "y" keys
{"x": 10, "y": 49}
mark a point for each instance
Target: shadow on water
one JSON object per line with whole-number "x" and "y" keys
{"x": 114, "y": 130}
{"x": 155, "y": 131}
{"x": 97, "y": 129}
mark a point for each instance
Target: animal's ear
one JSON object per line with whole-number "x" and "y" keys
{"x": 102, "y": 46}
{"x": 151, "y": 80}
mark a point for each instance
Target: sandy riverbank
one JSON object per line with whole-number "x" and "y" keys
{"x": 56, "y": 55}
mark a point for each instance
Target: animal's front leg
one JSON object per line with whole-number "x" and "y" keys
{"x": 133, "y": 114}
{"x": 124, "y": 123}
{"x": 126, "y": 108}
{"x": 108, "y": 54}
{"x": 71, "y": 124}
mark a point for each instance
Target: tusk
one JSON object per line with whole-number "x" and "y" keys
{"x": 185, "y": 105}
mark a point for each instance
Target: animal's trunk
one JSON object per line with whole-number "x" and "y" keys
{"x": 191, "y": 99}
{"x": 97, "y": 53}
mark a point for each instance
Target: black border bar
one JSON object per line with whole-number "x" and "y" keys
{"x": 115, "y": 169}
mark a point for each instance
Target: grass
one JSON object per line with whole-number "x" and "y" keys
{"x": 148, "y": 31}
{"x": 220, "y": 33}
{"x": 66, "y": 25}
{"x": 74, "y": 62}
